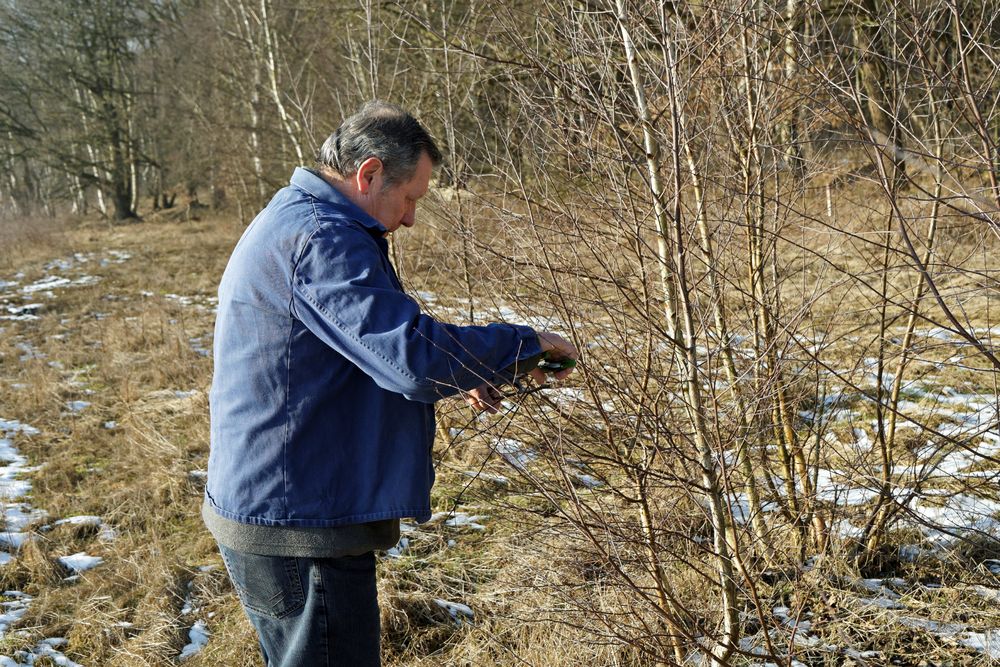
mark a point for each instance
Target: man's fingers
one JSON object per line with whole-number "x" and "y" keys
{"x": 557, "y": 346}
{"x": 484, "y": 399}
{"x": 564, "y": 373}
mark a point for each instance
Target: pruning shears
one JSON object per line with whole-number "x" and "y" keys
{"x": 516, "y": 372}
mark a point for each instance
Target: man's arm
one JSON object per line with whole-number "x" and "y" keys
{"x": 343, "y": 293}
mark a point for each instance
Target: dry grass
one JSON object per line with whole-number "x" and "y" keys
{"x": 542, "y": 595}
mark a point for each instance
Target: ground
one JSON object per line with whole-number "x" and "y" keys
{"x": 105, "y": 367}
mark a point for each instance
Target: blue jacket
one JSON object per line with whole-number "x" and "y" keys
{"x": 326, "y": 372}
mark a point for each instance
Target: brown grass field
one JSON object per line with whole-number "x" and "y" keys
{"x": 132, "y": 343}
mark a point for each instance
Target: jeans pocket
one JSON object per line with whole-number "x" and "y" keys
{"x": 267, "y": 585}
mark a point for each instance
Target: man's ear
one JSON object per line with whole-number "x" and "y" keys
{"x": 369, "y": 171}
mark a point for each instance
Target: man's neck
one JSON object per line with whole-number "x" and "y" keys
{"x": 339, "y": 183}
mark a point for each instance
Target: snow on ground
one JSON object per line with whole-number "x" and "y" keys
{"x": 198, "y": 634}
{"x": 13, "y": 609}
{"x": 499, "y": 480}
{"x": 987, "y": 642}
{"x": 81, "y": 520}
{"x": 946, "y": 517}
{"x": 47, "y": 648}
{"x": 515, "y": 452}
{"x": 18, "y": 514}
{"x": 460, "y": 613}
{"x": 77, "y": 406}
{"x": 197, "y": 301}
{"x": 459, "y": 520}
{"x": 198, "y": 638}
{"x": 400, "y": 548}
{"x": 893, "y": 611}
{"x": 588, "y": 481}
{"x": 567, "y": 397}
{"x": 80, "y": 562}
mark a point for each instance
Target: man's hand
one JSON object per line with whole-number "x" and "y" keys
{"x": 556, "y": 348}
{"x": 485, "y": 397}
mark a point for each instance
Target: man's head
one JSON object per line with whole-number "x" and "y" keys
{"x": 381, "y": 158}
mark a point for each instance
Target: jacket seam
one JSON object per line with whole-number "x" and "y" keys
{"x": 421, "y": 384}
{"x": 288, "y": 352}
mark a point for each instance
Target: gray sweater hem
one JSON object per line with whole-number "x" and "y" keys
{"x": 352, "y": 540}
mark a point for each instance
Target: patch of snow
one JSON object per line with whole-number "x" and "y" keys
{"x": 28, "y": 352}
{"x": 863, "y": 441}
{"x": 10, "y": 427}
{"x": 13, "y": 540}
{"x": 566, "y": 397}
{"x": 107, "y": 533}
{"x": 77, "y": 406}
{"x": 990, "y": 594}
{"x": 425, "y": 296}
{"x": 515, "y": 452}
{"x": 198, "y": 346}
{"x": 740, "y": 506}
{"x": 489, "y": 477}
{"x": 841, "y": 488}
{"x": 19, "y": 516}
{"x": 45, "y": 284}
{"x": 846, "y": 530}
{"x": 80, "y": 561}
{"x": 588, "y": 481}
{"x": 987, "y": 643}
{"x": 119, "y": 256}
{"x": 398, "y": 550}
{"x": 81, "y": 520}
{"x": 47, "y": 648}
{"x": 198, "y": 636}
{"x": 536, "y": 322}
{"x": 10, "y": 488}
{"x": 460, "y": 520}
{"x": 25, "y": 309}
{"x": 949, "y": 517}
{"x": 14, "y": 609}
{"x": 459, "y": 612}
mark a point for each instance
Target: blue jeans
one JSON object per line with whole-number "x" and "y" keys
{"x": 308, "y": 612}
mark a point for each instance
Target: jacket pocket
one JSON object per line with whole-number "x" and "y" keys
{"x": 267, "y": 585}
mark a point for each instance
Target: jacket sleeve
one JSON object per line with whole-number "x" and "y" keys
{"x": 343, "y": 293}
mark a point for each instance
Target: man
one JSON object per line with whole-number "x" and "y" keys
{"x": 322, "y": 400}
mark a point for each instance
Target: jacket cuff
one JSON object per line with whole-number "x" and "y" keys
{"x": 525, "y": 358}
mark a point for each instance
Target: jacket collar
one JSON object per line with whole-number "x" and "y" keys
{"x": 311, "y": 182}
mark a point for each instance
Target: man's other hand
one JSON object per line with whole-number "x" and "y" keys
{"x": 556, "y": 348}
{"x": 485, "y": 397}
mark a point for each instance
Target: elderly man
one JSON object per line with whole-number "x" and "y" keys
{"x": 326, "y": 374}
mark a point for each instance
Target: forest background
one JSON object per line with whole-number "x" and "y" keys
{"x": 771, "y": 227}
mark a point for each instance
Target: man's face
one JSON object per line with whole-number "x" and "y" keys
{"x": 395, "y": 205}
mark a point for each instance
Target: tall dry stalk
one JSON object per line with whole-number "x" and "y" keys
{"x": 673, "y": 258}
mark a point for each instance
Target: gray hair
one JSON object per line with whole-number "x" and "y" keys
{"x": 384, "y": 131}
